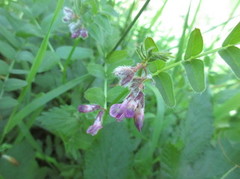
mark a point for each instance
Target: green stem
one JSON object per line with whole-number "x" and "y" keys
{"x": 229, "y": 171}
{"x": 67, "y": 62}
{"x": 6, "y": 78}
{"x": 129, "y": 27}
{"x": 191, "y": 58}
{"x": 105, "y": 86}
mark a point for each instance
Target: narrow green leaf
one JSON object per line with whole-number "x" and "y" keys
{"x": 95, "y": 96}
{"x": 14, "y": 84}
{"x": 41, "y": 101}
{"x": 150, "y": 44}
{"x": 7, "y": 102}
{"x": 195, "y": 74}
{"x": 231, "y": 56}
{"x": 10, "y": 36}
{"x": 7, "y": 50}
{"x": 4, "y": 67}
{"x": 195, "y": 44}
{"x": 165, "y": 86}
{"x": 117, "y": 55}
{"x": 156, "y": 65}
{"x": 234, "y": 37}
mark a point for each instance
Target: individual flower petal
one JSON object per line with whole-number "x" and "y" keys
{"x": 83, "y": 33}
{"x": 97, "y": 125}
{"x": 139, "y": 118}
{"x": 130, "y": 111}
{"x": 88, "y": 108}
{"x": 68, "y": 15}
{"x": 117, "y": 111}
{"x": 75, "y": 26}
{"x": 125, "y": 73}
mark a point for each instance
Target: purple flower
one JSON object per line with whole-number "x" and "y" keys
{"x": 97, "y": 125}
{"x": 127, "y": 108}
{"x": 88, "y": 108}
{"x": 139, "y": 118}
{"x": 68, "y": 15}
{"x": 139, "y": 113}
{"x": 125, "y": 74}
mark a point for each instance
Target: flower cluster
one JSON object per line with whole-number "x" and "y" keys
{"x": 133, "y": 104}
{"x": 97, "y": 125}
{"x": 75, "y": 25}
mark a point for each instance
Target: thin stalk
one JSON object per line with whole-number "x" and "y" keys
{"x": 49, "y": 45}
{"x": 105, "y": 86}
{"x": 229, "y": 171}
{"x": 193, "y": 57}
{"x": 129, "y": 27}
{"x": 67, "y": 62}
{"x": 6, "y": 78}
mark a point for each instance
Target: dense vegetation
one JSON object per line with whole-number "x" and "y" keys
{"x": 89, "y": 91}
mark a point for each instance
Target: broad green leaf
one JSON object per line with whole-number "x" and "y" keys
{"x": 223, "y": 110}
{"x": 7, "y": 50}
{"x": 39, "y": 102}
{"x": 95, "y": 96}
{"x": 150, "y": 44}
{"x": 79, "y": 52}
{"x": 96, "y": 70}
{"x": 195, "y": 74}
{"x": 195, "y": 44}
{"x": 7, "y": 102}
{"x": 234, "y": 37}
{"x": 62, "y": 122}
{"x": 156, "y": 65}
{"x": 24, "y": 56}
{"x": 231, "y": 56}
{"x": 110, "y": 155}
{"x": 49, "y": 61}
{"x": 170, "y": 157}
{"x": 27, "y": 165}
{"x": 165, "y": 86}
{"x": 4, "y": 67}
{"x": 117, "y": 55}
{"x": 10, "y": 36}
{"x": 113, "y": 92}
{"x": 198, "y": 125}
{"x": 14, "y": 84}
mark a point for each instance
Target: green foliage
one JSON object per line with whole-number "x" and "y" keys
{"x": 109, "y": 158}
{"x": 234, "y": 37}
{"x": 195, "y": 74}
{"x": 165, "y": 86}
{"x": 45, "y": 75}
{"x": 231, "y": 56}
{"x": 194, "y": 45}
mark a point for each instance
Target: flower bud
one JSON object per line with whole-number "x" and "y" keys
{"x": 139, "y": 118}
{"x": 88, "y": 108}
{"x": 125, "y": 73}
{"x": 83, "y": 33}
{"x": 97, "y": 125}
{"x": 68, "y": 15}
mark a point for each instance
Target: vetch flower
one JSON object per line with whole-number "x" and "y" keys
{"x": 97, "y": 125}
{"x": 88, "y": 108}
{"x": 125, "y": 74}
{"x": 127, "y": 108}
{"x": 75, "y": 25}
{"x": 68, "y": 15}
{"x": 139, "y": 113}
